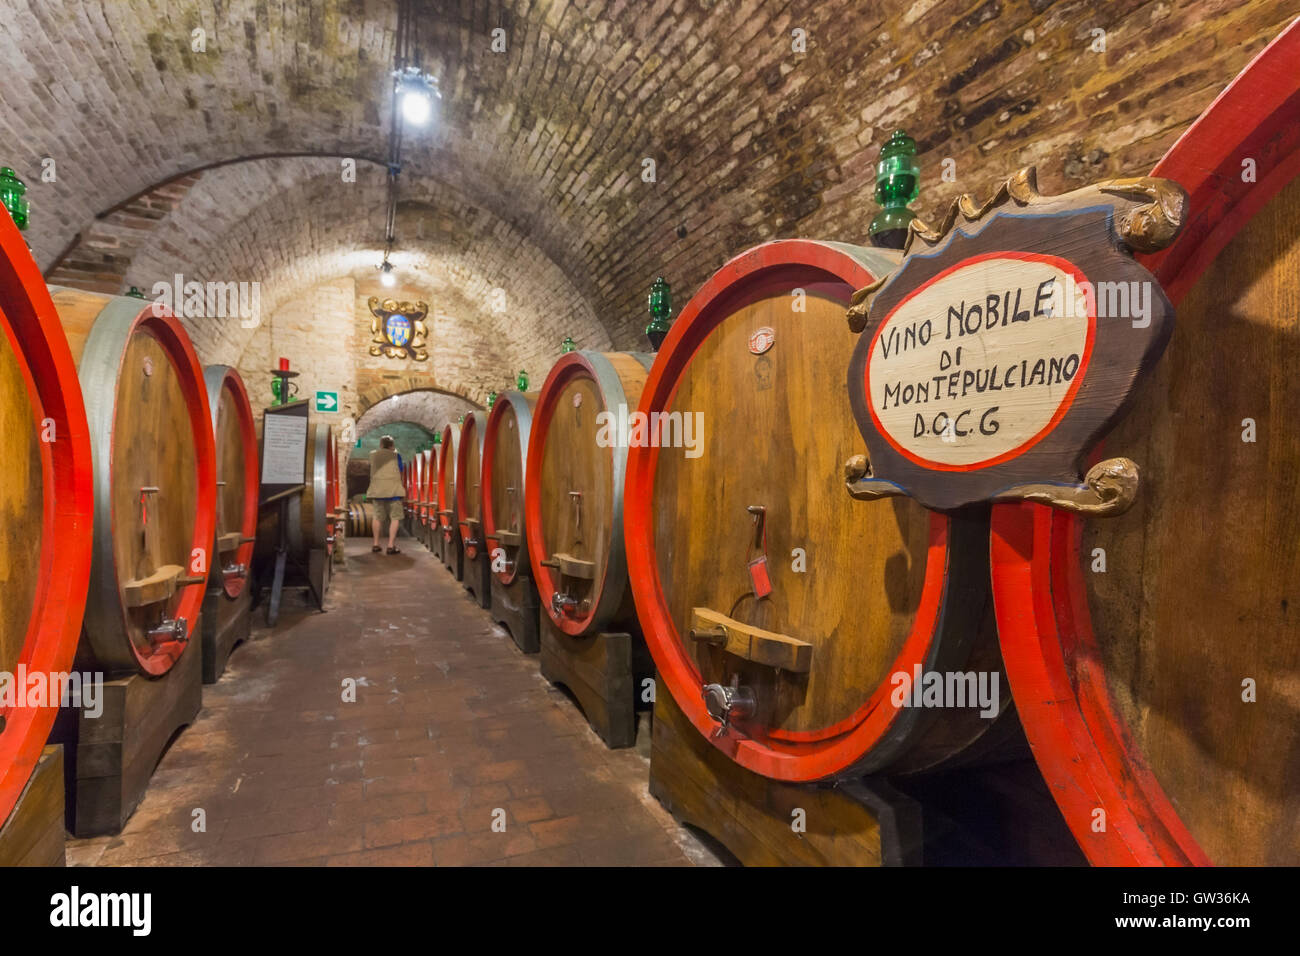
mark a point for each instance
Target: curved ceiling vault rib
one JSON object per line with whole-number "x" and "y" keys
{"x": 427, "y": 408}
{"x": 485, "y": 278}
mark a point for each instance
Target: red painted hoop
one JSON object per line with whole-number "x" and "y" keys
{"x": 814, "y": 755}
{"x": 32, "y": 327}
{"x": 1050, "y": 651}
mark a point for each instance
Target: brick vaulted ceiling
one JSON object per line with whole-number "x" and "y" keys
{"x": 530, "y": 178}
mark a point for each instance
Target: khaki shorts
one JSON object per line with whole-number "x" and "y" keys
{"x": 386, "y": 510}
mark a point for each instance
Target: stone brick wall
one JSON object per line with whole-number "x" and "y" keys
{"x": 538, "y": 152}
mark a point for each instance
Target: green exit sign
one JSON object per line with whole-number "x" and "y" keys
{"x": 327, "y": 401}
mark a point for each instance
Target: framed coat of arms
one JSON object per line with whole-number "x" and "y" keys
{"x": 398, "y": 328}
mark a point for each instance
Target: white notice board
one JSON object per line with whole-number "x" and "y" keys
{"x": 284, "y": 449}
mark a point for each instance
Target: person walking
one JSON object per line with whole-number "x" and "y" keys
{"x": 386, "y": 492}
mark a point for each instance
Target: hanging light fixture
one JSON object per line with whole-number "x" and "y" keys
{"x": 415, "y": 91}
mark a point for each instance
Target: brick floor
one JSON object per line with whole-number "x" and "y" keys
{"x": 451, "y": 728}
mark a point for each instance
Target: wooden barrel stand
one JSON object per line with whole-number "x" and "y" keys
{"x": 763, "y": 822}
{"x": 515, "y": 604}
{"x": 590, "y": 639}
{"x": 33, "y": 834}
{"x": 469, "y": 509}
{"x": 155, "y": 524}
{"x": 228, "y": 603}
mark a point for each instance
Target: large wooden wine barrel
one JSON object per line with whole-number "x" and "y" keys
{"x": 428, "y": 513}
{"x": 860, "y": 591}
{"x": 155, "y": 486}
{"x": 360, "y": 516}
{"x": 448, "y": 520}
{"x": 469, "y": 479}
{"x": 430, "y": 528}
{"x": 1155, "y": 657}
{"x": 46, "y": 504}
{"x": 574, "y": 496}
{"x": 235, "y": 433}
{"x": 505, "y": 476}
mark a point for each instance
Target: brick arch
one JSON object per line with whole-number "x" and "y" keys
{"x": 410, "y": 399}
{"x": 390, "y": 385}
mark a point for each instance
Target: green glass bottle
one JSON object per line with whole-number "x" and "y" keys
{"x": 437, "y": 439}
{"x": 134, "y": 292}
{"x": 521, "y": 381}
{"x": 661, "y": 307}
{"x": 492, "y": 400}
{"x": 13, "y": 194}
{"x": 898, "y": 181}
{"x": 568, "y": 345}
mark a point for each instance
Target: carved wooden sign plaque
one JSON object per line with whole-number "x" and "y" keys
{"x": 1000, "y": 352}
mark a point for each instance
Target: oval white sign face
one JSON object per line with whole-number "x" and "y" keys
{"x": 979, "y": 364}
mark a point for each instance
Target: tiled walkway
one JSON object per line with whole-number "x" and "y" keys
{"x": 451, "y": 724}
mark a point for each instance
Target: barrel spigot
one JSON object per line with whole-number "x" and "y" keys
{"x": 725, "y": 704}
{"x": 563, "y": 603}
{"x": 169, "y": 629}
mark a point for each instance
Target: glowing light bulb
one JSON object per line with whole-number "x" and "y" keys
{"x": 387, "y": 278}
{"x": 417, "y": 105}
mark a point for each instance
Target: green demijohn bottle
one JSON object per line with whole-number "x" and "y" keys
{"x": 661, "y": 307}
{"x": 897, "y": 184}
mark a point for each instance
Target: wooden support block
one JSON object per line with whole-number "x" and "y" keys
{"x": 573, "y": 567}
{"x": 108, "y": 760}
{"x": 766, "y": 822}
{"x": 752, "y": 643}
{"x": 453, "y": 553}
{"x": 157, "y": 587}
{"x": 34, "y": 835}
{"x": 229, "y": 542}
{"x": 507, "y": 539}
{"x": 478, "y": 578}
{"x": 603, "y": 671}
{"x": 226, "y": 622}
{"x": 516, "y": 606}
